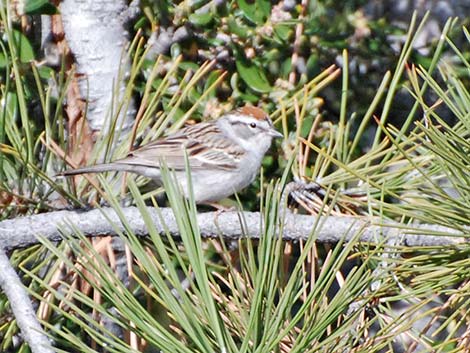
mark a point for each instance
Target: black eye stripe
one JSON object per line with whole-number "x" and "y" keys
{"x": 243, "y": 123}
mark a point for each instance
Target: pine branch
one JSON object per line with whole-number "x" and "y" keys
{"x": 23, "y": 232}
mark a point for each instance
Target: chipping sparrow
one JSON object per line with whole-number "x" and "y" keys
{"x": 224, "y": 154}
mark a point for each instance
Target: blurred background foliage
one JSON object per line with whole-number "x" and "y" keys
{"x": 271, "y": 48}
{"x": 278, "y": 55}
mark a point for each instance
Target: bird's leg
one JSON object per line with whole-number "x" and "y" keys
{"x": 302, "y": 193}
{"x": 220, "y": 208}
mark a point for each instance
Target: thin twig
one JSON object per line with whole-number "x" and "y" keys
{"x": 298, "y": 34}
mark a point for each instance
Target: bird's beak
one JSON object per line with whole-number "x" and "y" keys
{"x": 276, "y": 134}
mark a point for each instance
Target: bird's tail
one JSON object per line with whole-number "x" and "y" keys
{"x": 99, "y": 168}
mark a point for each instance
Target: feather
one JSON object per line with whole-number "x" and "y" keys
{"x": 205, "y": 143}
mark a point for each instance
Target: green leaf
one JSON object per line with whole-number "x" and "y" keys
{"x": 201, "y": 19}
{"x": 45, "y": 72}
{"x": 253, "y": 76}
{"x": 249, "y": 97}
{"x": 193, "y": 95}
{"x": 313, "y": 66}
{"x": 237, "y": 28}
{"x": 141, "y": 23}
{"x": 39, "y": 7}
{"x": 157, "y": 82}
{"x": 3, "y": 60}
{"x": 24, "y": 48}
{"x": 256, "y": 11}
{"x": 272, "y": 55}
{"x": 284, "y": 32}
{"x": 188, "y": 65}
{"x": 286, "y": 67}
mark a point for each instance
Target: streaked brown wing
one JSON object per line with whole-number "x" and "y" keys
{"x": 205, "y": 144}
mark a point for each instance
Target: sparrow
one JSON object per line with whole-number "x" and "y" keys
{"x": 224, "y": 155}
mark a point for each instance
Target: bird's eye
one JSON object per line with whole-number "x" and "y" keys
{"x": 253, "y": 125}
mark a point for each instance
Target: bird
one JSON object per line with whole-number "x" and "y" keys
{"x": 224, "y": 155}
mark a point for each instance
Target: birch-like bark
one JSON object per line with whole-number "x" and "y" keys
{"x": 95, "y": 31}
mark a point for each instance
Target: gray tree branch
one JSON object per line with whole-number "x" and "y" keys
{"x": 22, "y": 308}
{"x": 23, "y": 232}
